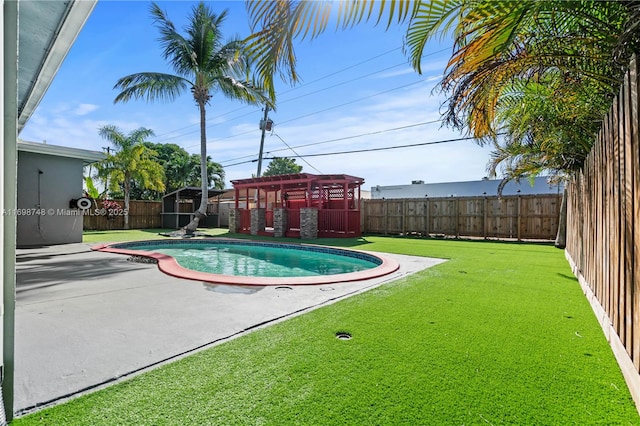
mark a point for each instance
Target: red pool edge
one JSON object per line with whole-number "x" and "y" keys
{"x": 170, "y": 266}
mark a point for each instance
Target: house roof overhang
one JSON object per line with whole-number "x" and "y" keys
{"x": 46, "y": 32}
{"x": 85, "y": 155}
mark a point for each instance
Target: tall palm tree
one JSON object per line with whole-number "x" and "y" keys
{"x": 131, "y": 161}
{"x": 203, "y": 63}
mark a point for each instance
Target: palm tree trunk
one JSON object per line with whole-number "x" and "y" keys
{"x": 127, "y": 197}
{"x": 201, "y": 212}
{"x": 561, "y": 237}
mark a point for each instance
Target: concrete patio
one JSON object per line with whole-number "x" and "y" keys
{"x": 87, "y": 319}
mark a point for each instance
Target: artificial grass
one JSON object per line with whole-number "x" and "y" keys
{"x": 499, "y": 334}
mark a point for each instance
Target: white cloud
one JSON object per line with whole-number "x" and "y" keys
{"x": 84, "y": 109}
{"x": 397, "y": 73}
{"x": 446, "y": 162}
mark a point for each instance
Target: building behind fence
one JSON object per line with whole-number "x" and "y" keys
{"x": 521, "y": 217}
{"x": 603, "y": 242}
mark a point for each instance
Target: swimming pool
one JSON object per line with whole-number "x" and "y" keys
{"x": 243, "y": 262}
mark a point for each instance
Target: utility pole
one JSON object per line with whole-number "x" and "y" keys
{"x": 106, "y": 178}
{"x": 265, "y": 124}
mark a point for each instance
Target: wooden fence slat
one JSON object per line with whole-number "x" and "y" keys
{"x": 142, "y": 215}
{"x": 483, "y": 217}
{"x": 603, "y": 241}
{"x": 634, "y": 77}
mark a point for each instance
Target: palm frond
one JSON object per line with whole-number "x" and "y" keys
{"x": 151, "y": 87}
{"x": 113, "y": 134}
{"x": 175, "y": 48}
{"x": 241, "y": 90}
{"x": 275, "y": 25}
{"x": 430, "y": 17}
{"x": 140, "y": 135}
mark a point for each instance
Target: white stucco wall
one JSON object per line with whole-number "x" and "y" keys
{"x": 51, "y": 191}
{"x": 465, "y": 189}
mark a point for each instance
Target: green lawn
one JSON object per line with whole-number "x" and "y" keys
{"x": 499, "y": 334}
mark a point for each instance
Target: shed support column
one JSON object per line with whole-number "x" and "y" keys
{"x": 176, "y": 208}
{"x": 308, "y": 223}
{"x": 279, "y": 222}
{"x": 258, "y": 220}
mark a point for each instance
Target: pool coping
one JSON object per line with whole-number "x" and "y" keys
{"x": 170, "y": 266}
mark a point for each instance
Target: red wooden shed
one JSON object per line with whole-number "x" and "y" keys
{"x": 335, "y": 198}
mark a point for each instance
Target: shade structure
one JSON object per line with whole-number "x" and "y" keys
{"x": 178, "y": 207}
{"x": 335, "y": 197}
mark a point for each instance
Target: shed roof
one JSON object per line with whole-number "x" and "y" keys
{"x": 190, "y": 192}
{"x": 296, "y": 179}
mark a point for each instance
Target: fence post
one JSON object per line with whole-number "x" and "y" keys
{"x": 404, "y": 217}
{"x": 427, "y": 218}
{"x": 518, "y": 218}
{"x": 385, "y": 209}
{"x": 456, "y": 205}
{"x": 484, "y": 217}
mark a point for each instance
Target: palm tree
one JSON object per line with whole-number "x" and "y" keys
{"x": 215, "y": 173}
{"x": 203, "y": 63}
{"x": 497, "y": 44}
{"x": 547, "y": 125}
{"x": 131, "y": 161}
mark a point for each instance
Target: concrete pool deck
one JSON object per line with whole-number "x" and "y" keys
{"x": 86, "y": 319}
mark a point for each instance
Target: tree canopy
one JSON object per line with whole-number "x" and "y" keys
{"x": 282, "y": 166}
{"x": 180, "y": 169}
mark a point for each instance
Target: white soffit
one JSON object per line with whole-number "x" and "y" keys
{"x": 47, "y": 29}
{"x": 61, "y": 151}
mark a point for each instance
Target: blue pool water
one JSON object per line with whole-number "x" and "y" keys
{"x": 258, "y": 259}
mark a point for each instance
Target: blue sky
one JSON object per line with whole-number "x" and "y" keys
{"x": 357, "y": 87}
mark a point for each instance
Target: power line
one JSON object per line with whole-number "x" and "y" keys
{"x": 363, "y": 134}
{"x": 355, "y": 151}
{"x": 353, "y": 101}
{"x": 391, "y": 147}
{"x": 306, "y": 115}
{"x": 297, "y": 155}
{"x": 294, "y": 89}
{"x": 377, "y": 132}
{"x": 324, "y": 110}
{"x": 297, "y": 97}
{"x": 355, "y": 79}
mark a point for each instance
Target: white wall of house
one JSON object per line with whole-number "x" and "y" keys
{"x": 465, "y": 189}
{"x": 48, "y": 182}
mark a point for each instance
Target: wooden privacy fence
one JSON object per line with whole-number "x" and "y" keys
{"x": 603, "y": 241}
{"x": 142, "y": 215}
{"x": 521, "y": 217}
